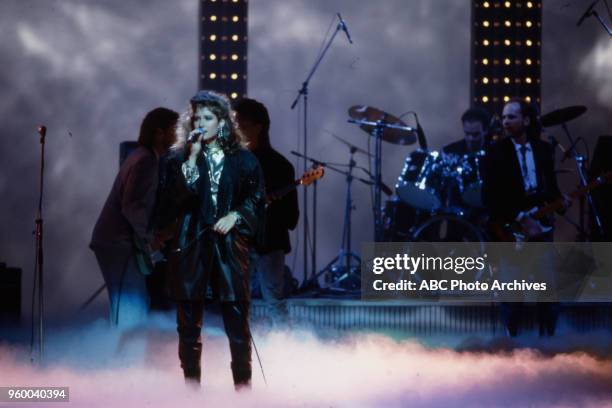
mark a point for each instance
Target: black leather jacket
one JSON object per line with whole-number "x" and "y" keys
{"x": 208, "y": 262}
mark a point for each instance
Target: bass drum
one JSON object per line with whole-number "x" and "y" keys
{"x": 447, "y": 228}
{"x": 454, "y": 228}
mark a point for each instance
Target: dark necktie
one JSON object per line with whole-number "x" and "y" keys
{"x": 524, "y": 166}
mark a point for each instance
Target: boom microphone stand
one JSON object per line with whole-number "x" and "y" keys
{"x": 344, "y": 261}
{"x": 591, "y": 12}
{"x": 304, "y": 92}
{"x": 580, "y": 167}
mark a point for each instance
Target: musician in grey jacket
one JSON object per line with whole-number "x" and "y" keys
{"x": 123, "y": 229}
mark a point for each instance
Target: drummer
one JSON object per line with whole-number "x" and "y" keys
{"x": 475, "y": 123}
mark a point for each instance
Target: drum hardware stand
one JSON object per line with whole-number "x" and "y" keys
{"x": 378, "y": 222}
{"x": 38, "y": 270}
{"x": 580, "y": 166}
{"x": 377, "y": 133}
{"x": 346, "y": 257}
{"x": 303, "y": 91}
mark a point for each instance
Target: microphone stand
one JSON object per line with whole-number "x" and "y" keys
{"x": 603, "y": 24}
{"x": 38, "y": 233}
{"x": 303, "y": 92}
{"x": 343, "y": 265}
{"x": 580, "y": 166}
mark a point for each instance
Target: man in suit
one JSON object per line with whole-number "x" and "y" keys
{"x": 125, "y": 219}
{"x": 519, "y": 177}
{"x": 282, "y": 213}
{"x": 519, "y": 173}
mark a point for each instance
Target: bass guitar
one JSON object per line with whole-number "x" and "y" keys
{"x": 309, "y": 177}
{"x": 516, "y": 231}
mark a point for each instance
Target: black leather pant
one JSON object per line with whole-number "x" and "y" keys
{"x": 235, "y": 320}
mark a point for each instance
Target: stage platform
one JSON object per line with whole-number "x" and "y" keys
{"x": 429, "y": 318}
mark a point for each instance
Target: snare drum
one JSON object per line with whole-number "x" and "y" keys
{"x": 422, "y": 181}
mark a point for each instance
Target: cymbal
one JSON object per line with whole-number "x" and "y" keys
{"x": 395, "y": 135}
{"x": 563, "y": 115}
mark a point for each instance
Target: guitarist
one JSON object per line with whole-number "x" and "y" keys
{"x": 126, "y": 218}
{"x": 282, "y": 213}
{"x": 519, "y": 177}
{"x": 519, "y": 174}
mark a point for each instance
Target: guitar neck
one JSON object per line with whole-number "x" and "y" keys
{"x": 283, "y": 191}
{"x": 306, "y": 179}
{"x": 558, "y": 204}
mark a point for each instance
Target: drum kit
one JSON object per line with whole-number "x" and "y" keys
{"x": 429, "y": 183}
{"x": 418, "y": 211}
{"x": 437, "y": 195}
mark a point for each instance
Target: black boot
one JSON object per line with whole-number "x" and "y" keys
{"x": 189, "y": 319}
{"x": 193, "y": 376}
{"x": 190, "y": 362}
{"x": 241, "y": 372}
{"x": 235, "y": 320}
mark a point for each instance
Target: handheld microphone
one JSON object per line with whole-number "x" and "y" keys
{"x": 344, "y": 28}
{"x": 587, "y": 13}
{"x": 194, "y": 136}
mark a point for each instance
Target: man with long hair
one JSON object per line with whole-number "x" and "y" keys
{"x": 124, "y": 227}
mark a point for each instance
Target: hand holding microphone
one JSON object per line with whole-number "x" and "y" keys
{"x": 194, "y": 135}
{"x": 194, "y": 142}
